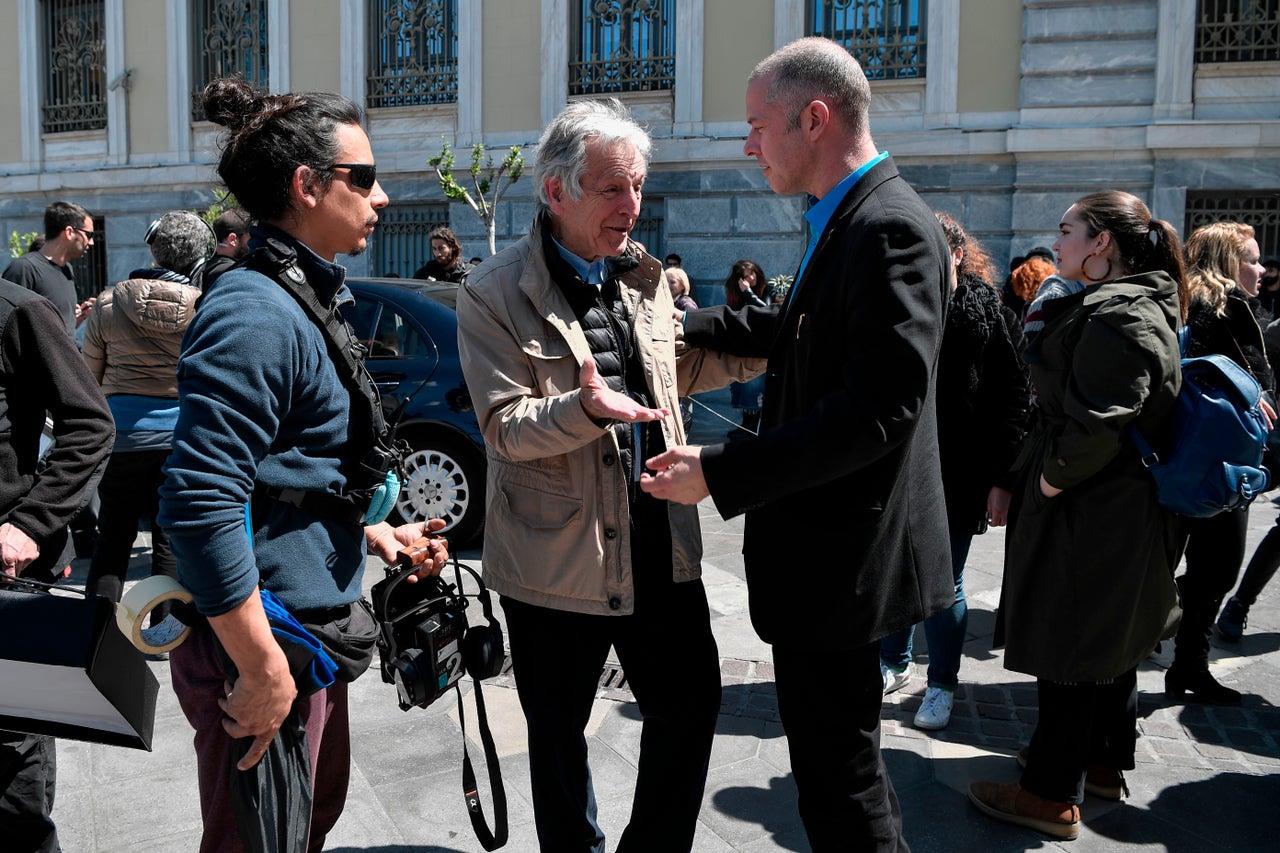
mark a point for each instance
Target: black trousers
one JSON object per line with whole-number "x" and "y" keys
{"x": 1215, "y": 550}
{"x": 1262, "y": 567}
{"x": 28, "y": 770}
{"x": 832, "y": 721}
{"x": 130, "y": 491}
{"x": 1081, "y": 724}
{"x": 672, "y": 665}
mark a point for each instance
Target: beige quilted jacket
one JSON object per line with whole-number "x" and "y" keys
{"x": 134, "y": 334}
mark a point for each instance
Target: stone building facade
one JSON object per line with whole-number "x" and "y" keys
{"x": 1000, "y": 112}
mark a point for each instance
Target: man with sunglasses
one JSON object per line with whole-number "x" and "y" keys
{"x": 68, "y": 232}
{"x": 269, "y": 482}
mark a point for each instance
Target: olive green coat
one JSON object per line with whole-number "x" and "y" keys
{"x": 1088, "y": 583}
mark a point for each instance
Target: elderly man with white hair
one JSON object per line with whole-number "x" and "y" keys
{"x": 569, "y": 343}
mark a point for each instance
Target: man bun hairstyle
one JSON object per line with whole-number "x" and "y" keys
{"x": 269, "y": 136}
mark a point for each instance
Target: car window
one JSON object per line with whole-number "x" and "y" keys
{"x": 362, "y": 316}
{"x": 395, "y": 336}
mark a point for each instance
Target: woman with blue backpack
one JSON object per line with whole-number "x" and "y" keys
{"x": 1088, "y": 579}
{"x": 1223, "y": 275}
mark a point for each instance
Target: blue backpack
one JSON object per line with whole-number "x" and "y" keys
{"x": 1213, "y": 461}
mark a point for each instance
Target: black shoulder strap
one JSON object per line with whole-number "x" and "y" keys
{"x": 278, "y": 262}
{"x": 470, "y": 790}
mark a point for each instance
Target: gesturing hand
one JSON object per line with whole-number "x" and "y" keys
{"x": 677, "y": 475}
{"x": 604, "y": 404}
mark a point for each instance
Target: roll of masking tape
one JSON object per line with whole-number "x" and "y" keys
{"x": 143, "y": 597}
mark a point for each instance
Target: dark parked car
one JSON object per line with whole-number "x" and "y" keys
{"x": 411, "y": 330}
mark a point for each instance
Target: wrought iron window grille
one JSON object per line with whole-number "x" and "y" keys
{"x": 229, "y": 39}
{"x": 402, "y": 243}
{"x": 1258, "y": 208}
{"x": 413, "y": 53}
{"x": 1238, "y": 31}
{"x": 76, "y": 66}
{"x": 887, "y": 37}
{"x": 622, "y": 46}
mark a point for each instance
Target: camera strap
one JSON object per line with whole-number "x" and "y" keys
{"x": 489, "y": 840}
{"x": 278, "y": 262}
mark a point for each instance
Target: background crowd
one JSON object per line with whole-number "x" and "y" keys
{"x": 895, "y": 403}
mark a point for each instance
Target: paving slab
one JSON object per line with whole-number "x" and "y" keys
{"x": 1207, "y": 778}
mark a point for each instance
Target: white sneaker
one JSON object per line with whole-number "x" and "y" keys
{"x": 935, "y": 710}
{"x": 895, "y": 680}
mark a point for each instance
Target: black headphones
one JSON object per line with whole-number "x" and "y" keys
{"x": 483, "y": 651}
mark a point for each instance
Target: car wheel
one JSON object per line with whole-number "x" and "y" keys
{"x": 443, "y": 478}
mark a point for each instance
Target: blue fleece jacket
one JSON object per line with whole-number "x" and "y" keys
{"x": 260, "y": 401}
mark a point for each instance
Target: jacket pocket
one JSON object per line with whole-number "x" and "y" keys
{"x": 553, "y": 364}
{"x": 539, "y": 509}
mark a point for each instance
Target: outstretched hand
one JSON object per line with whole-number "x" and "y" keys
{"x": 602, "y": 403}
{"x": 678, "y": 475}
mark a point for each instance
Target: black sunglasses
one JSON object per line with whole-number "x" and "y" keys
{"x": 363, "y": 175}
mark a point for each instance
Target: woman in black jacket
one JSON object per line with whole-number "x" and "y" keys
{"x": 1223, "y": 273}
{"x": 984, "y": 398}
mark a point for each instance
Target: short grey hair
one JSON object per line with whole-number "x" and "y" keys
{"x": 180, "y": 240}
{"x": 562, "y": 149}
{"x": 815, "y": 67}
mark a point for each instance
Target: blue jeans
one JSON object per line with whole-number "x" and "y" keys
{"x": 944, "y": 631}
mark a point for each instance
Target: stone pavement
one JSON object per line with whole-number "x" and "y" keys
{"x": 1206, "y": 777}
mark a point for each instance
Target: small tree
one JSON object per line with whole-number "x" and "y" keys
{"x": 19, "y": 242}
{"x": 490, "y": 183}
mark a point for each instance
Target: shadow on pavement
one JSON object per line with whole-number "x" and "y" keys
{"x": 776, "y": 804}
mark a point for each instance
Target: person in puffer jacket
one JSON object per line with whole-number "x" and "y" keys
{"x": 131, "y": 343}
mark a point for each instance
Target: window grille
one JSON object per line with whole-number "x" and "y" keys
{"x": 1259, "y": 209}
{"x": 401, "y": 244}
{"x": 90, "y": 269}
{"x": 1238, "y": 31}
{"x": 622, "y": 46}
{"x": 887, "y": 37}
{"x": 650, "y": 228}
{"x": 413, "y": 53}
{"x": 229, "y": 39}
{"x": 76, "y": 66}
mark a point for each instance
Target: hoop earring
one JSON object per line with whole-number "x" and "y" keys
{"x": 1084, "y": 269}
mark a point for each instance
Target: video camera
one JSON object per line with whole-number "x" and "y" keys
{"x": 425, "y": 645}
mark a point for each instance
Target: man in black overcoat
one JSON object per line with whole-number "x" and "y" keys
{"x": 845, "y": 518}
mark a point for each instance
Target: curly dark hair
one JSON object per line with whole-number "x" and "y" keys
{"x": 269, "y": 136}
{"x": 976, "y": 263}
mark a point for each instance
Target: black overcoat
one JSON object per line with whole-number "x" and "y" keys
{"x": 842, "y": 490}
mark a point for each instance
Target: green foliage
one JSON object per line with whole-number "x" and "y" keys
{"x": 490, "y": 182}
{"x": 18, "y": 242}
{"x": 781, "y": 284}
{"x": 223, "y": 201}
